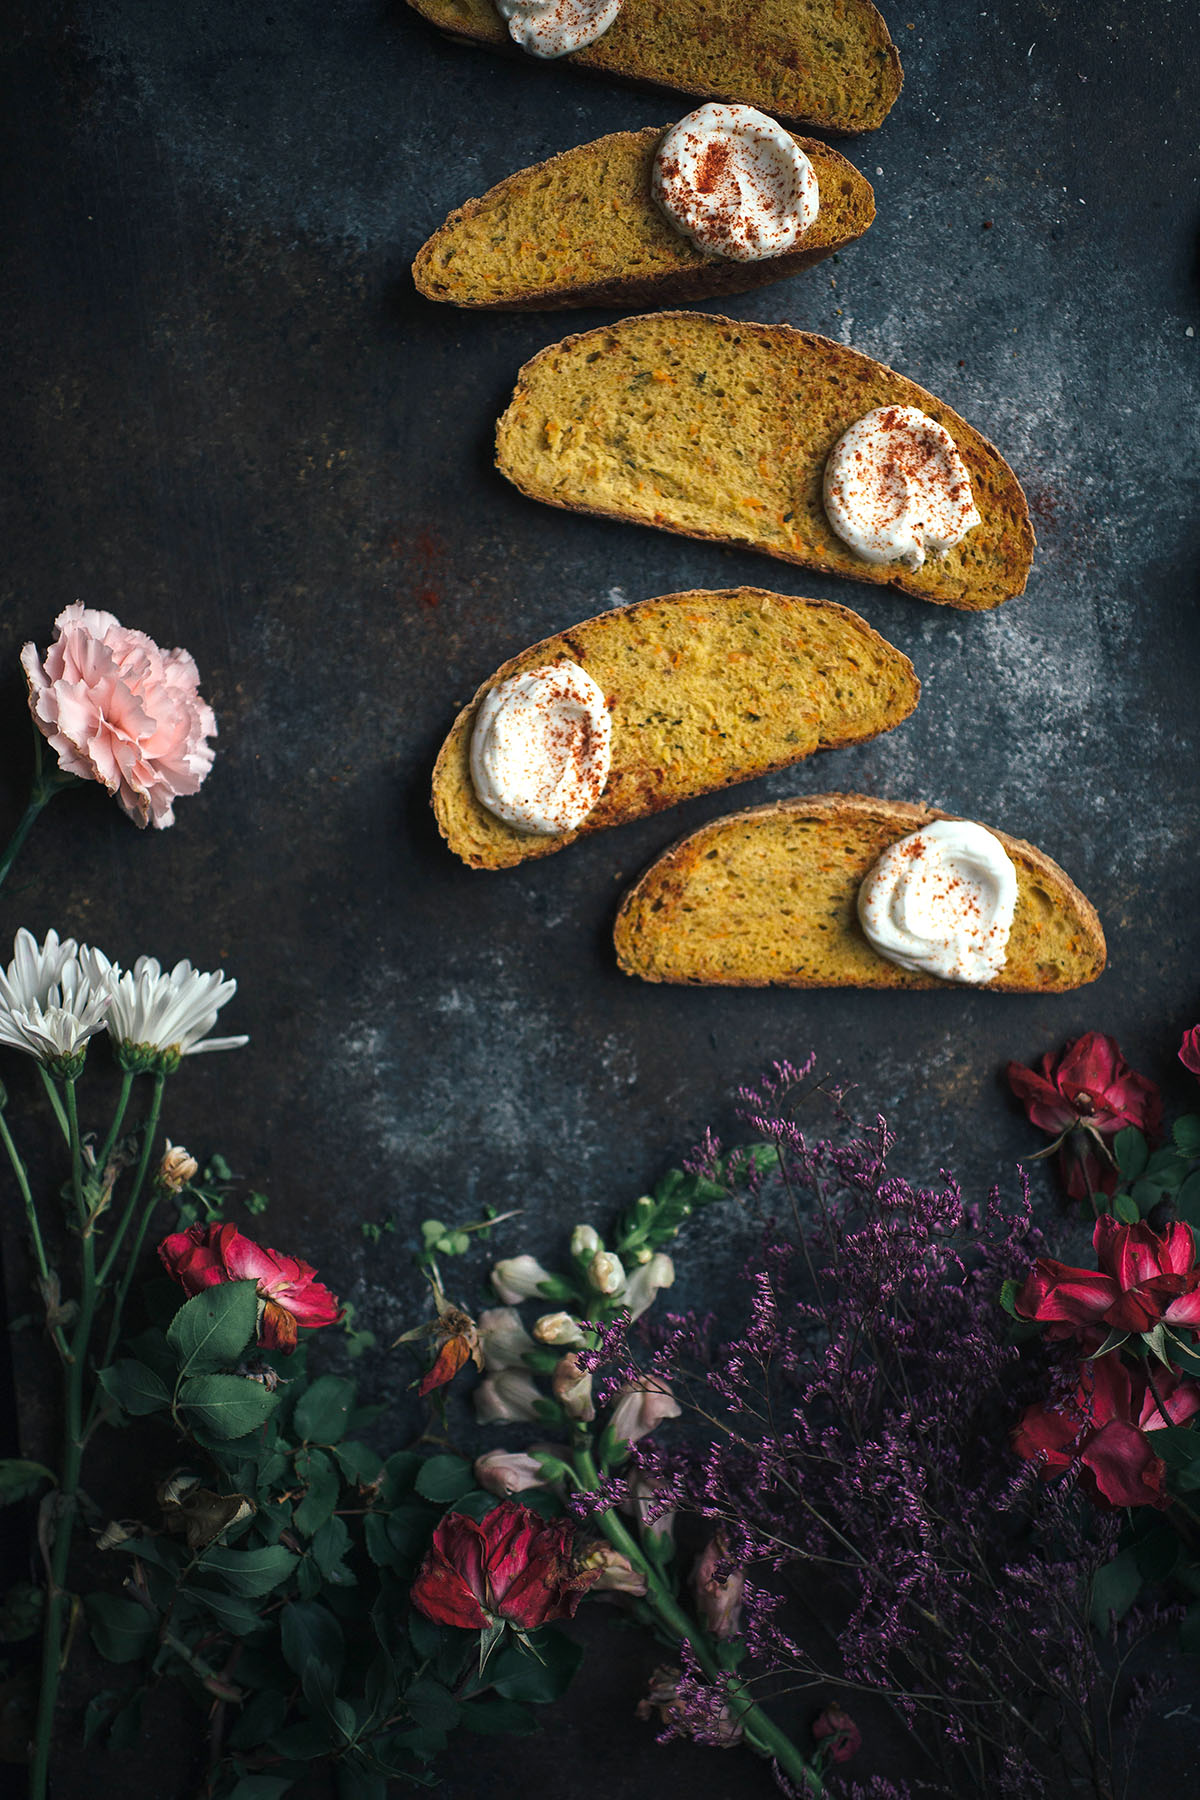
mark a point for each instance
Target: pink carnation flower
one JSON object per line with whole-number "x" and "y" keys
{"x": 118, "y": 710}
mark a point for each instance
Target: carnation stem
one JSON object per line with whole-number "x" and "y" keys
{"x": 46, "y": 783}
{"x": 150, "y": 1130}
{"x": 761, "y": 1732}
{"x": 35, "y": 1230}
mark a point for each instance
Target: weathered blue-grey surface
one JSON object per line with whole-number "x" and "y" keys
{"x": 228, "y": 418}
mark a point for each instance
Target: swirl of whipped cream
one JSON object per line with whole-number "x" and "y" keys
{"x": 896, "y": 488}
{"x": 735, "y": 183}
{"x": 541, "y": 748}
{"x": 549, "y": 28}
{"x": 941, "y": 902}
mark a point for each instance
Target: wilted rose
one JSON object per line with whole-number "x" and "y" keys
{"x": 1083, "y": 1098}
{"x": 639, "y": 1408}
{"x": 1143, "y": 1279}
{"x": 117, "y": 709}
{"x": 1189, "y": 1050}
{"x": 836, "y": 1731}
{"x": 289, "y": 1293}
{"x": 1103, "y": 1426}
{"x": 510, "y": 1565}
{"x": 457, "y": 1341}
{"x": 177, "y": 1168}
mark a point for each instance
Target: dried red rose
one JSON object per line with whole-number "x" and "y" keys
{"x": 290, "y": 1295}
{"x": 1143, "y": 1278}
{"x": 1189, "y": 1050}
{"x": 1084, "y": 1097}
{"x": 510, "y": 1565}
{"x": 839, "y": 1734}
{"x": 1104, "y": 1427}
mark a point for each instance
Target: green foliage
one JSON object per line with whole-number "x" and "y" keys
{"x": 19, "y": 1479}
{"x": 1115, "y": 1587}
{"x": 213, "y": 1328}
{"x": 1149, "y": 1177}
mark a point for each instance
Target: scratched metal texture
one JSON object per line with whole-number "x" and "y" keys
{"x": 227, "y": 417}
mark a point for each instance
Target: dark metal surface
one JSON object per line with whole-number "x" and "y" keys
{"x": 227, "y": 417}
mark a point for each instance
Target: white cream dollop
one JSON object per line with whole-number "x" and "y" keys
{"x": 941, "y": 902}
{"x": 735, "y": 183}
{"x": 541, "y": 748}
{"x": 549, "y": 28}
{"x": 896, "y": 488}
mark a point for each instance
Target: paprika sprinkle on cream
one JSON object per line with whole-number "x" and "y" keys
{"x": 735, "y": 183}
{"x": 541, "y": 749}
{"x": 550, "y": 28}
{"x": 941, "y": 902}
{"x": 896, "y": 489}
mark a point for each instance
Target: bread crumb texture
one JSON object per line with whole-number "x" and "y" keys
{"x": 718, "y": 429}
{"x": 768, "y": 898}
{"x": 829, "y": 63}
{"x": 583, "y": 230}
{"x": 705, "y": 689}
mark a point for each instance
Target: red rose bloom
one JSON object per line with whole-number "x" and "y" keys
{"x": 1189, "y": 1050}
{"x": 510, "y": 1565}
{"x": 1084, "y": 1098}
{"x": 1143, "y": 1278}
{"x": 836, "y": 1731}
{"x": 1104, "y": 1426}
{"x": 290, "y": 1295}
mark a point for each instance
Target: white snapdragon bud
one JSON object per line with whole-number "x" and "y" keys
{"x": 572, "y": 1388}
{"x": 640, "y": 1408}
{"x": 519, "y": 1278}
{"x": 606, "y": 1274}
{"x": 585, "y": 1241}
{"x": 646, "y": 1283}
{"x": 502, "y": 1338}
{"x": 508, "y": 1472}
{"x": 559, "y": 1329}
{"x": 512, "y": 1394}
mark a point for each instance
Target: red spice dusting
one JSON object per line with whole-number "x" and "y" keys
{"x": 713, "y": 165}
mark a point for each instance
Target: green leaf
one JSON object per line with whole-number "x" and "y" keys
{"x": 305, "y": 1741}
{"x": 445, "y": 1478}
{"x": 1146, "y": 1194}
{"x": 226, "y": 1406}
{"x": 1008, "y": 1298}
{"x": 1126, "y": 1208}
{"x": 211, "y": 1330}
{"x": 359, "y": 1464}
{"x": 324, "y": 1488}
{"x": 1187, "y": 1200}
{"x": 261, "y": 1717}
{"x": 323, "y": 1413}
{"x": 1166, "y": 1166}
{"x": 1115, "y": 1587}
{"x": 135, "y": 1387}
{"x": 524, "y": 1677}
{"x": 356, "y": 1780}
{"x": 235, "y": 1615}
{"x": 432, "y": 1705}
{"x": 378, "y": 1539}
{"x": 310, "y": 1633}
{"x": 330, "y": 1544}
{"x": 122, "y": 1630}
{"x": 491, "y": 1716}
{"x": 1131, "y": 1151}
{"x": 261, "y": 1787}
{"x": 19, "y": 1479}
{"x": 426, "y": 1636}
{"x": 1178, "y": 1445}
{"x": 98, "y": 1712}
{"x": 1186, "y": 1132}
{"x": 249, "y": 1572}
{"x": 1157, "y": 1553}
{"x": 400, "y": 1471}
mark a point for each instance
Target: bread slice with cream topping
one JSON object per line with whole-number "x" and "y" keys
{"x": 705, "y": 689}
{"x": 583, "y": 230}
{"x": 768, "y": 898}
{"x": 827, "y": 63}
{"x": 718, "y": 429}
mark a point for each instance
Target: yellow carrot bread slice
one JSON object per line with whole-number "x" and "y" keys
{"x": 828, "y": 63}
{"x": 583, "y": 230}
{"x": 718, "y": 429}
{"x": 704, "y": 689}
{"x": 768, "y": 898}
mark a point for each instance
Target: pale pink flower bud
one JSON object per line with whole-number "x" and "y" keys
{"x": 646, "y": 1283}
{"x": 519, "y": 1278}
{"x": 605, "y": 1273}
{"x": 508, "y": 1472}
{"x": 640, "y": 1408}
{"x": 585, "y": 1241}
{"x": 573, "y": 1389}
{"x": 508, "y": 1395}
{"x": 559, "y": 1328}
{"x": 502, "y": 1338}
{"x": 117, "y": 709}
{"x": 718, "y": 1589}
{"x": 611, "y": 1572}
{"x": 643, "y": 1502}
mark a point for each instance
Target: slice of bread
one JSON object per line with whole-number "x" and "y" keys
{"x": 583, "y": 230}
{"x": 705, "y": 689}
{"x": 769, "y": 898}
{"x": 718, "y": 429}
{"x": 828, "y": 63}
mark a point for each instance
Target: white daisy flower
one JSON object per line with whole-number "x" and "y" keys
{"x": 34, "y": 970}
{"x": 165, "y": 1012}
{"x": 51, "y": 1020}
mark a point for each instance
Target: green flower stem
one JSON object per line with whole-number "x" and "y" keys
{"x": 56, "y": 1103}
{"x": 35, "y": 1230}
{"x": 114, "y": 1129}
{"x": 46, "y": 783}
{"x": 150, "y": 1130}
{"x": 761, "y": 1732}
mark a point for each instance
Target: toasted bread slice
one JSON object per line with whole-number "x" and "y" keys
{"x": 583, "y": 230}
{"x": 705, "y": 689}
{"x": 828, "y": 63}
{"x": 769, "y": 898}
{"x": 718, "y": 429}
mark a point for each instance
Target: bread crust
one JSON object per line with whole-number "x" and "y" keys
{"x": 713, "y": 276}
{"x": 1011, "y": 509}
{"x": 452, "y": 792}
{"x": 901, "y": 818}
{"x": 628, "y": 54}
